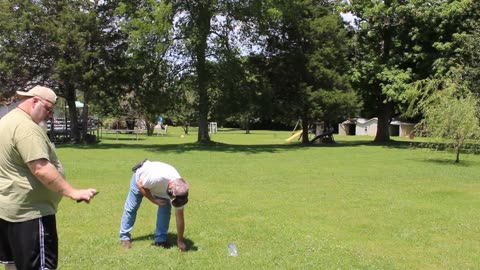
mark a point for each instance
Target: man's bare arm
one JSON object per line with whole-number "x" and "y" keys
{"x": 180, "y": 221}
{"x": 146, "y": 192}
{"x": 51, "y": 178}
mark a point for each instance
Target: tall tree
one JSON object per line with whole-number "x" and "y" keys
{"x": 307, "y": 49}
{"x": 449, "y": 98}
{"x": 62, "y": 44}
{"x": 147, "y": 24}
{"x": 245, "y": 92}
{"x": 194, "y": 23}
{"x": 26, "y": 46}
{"x": 381, "y": 73}
{"x": 185, "y": 111}
{"x": 199, "y": 27}
{"x": 398, "y": 43}
{"x": 451, "y": 114}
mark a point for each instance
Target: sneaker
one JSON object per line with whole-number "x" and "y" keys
{"x": 126, "y": 244}
{"x": 164, "y": 245}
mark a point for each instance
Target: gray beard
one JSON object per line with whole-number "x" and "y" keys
{"x": 43, "y": 124}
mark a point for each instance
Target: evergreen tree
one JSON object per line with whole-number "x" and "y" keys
{"x": 307, "y": 48}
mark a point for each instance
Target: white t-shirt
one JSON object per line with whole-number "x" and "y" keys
{"x": 155, "y": 176}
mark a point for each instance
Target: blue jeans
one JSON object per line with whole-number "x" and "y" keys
{"x": 132, "y": 204}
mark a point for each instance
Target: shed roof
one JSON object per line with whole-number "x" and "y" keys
{"x": 365, "y": 121}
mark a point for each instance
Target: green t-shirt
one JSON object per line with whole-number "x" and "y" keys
{"x": 22, "y": 196}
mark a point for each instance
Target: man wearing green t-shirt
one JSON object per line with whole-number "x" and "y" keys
{"x": 32, "y": 183}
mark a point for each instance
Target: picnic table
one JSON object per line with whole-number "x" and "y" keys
{"x": 133, "y": 132}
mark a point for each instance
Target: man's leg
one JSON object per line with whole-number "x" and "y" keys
{"x": 163, "y": 221}
{"x": 6, "y": 256}
{"x": 134, "y": 199}
{"x": 30, "y": 244}
{"x": 36, "y": 243}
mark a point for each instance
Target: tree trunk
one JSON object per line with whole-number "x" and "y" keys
{"x": 185, "y": 128}
{"x": 247, "y": 127}
{"x": 385, "y": 108}
{"x": 84, "y": 130}
{"x": 383, "y": 127}
{"x": 72, "y": 113}
{"x": 305, "y": 125}
{"x": 150, "y": 126}
{"x": 246, "y": 123}
{"x": 203, "y": 24}
{"x": 458, "y": 148}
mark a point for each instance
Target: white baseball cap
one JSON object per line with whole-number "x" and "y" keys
{"x": 44, "y": 93}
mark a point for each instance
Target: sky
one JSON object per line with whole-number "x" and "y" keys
{"x": 348, "y": 17}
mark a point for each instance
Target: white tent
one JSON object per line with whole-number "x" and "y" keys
{"x": 78, "y": 104}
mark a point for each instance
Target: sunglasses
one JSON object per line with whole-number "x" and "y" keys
{"x": 49, "y": 109}
{"x": 177, "y": 201}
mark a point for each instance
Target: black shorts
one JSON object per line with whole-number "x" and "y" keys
{"x": 30, "y": 244}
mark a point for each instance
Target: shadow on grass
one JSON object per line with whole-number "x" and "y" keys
{"x": 171, "y": 238}
{"x": 126, "y": 139}
{"x": 446, "y": 161}
{"x": 212, "y": 146}
{"x": 242, "y": 148}
{"x": 462, "y": 163}
{"x": 187, "y": 147}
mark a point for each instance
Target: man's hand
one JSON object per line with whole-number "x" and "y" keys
{"x": 83, "y": 194}
{"x": 181, "y": 245}
{"x": 87, "y": 193}
{"x": 148, "y": 194}
{"x": 160, "y": 202}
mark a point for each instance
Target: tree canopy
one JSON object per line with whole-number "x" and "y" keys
{"x": 241, "y": 61}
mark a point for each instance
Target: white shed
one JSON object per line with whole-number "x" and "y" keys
{"x": 363, "y": 126}
{"x": 402, "y": 129}
{"x": 366, "y": 126}
{"x": 347, "y": 127}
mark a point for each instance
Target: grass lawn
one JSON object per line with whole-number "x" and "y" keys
{"x": 352, "y": 205}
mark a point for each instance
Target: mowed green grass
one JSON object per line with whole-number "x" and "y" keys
{"x": 352, "y": 205}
